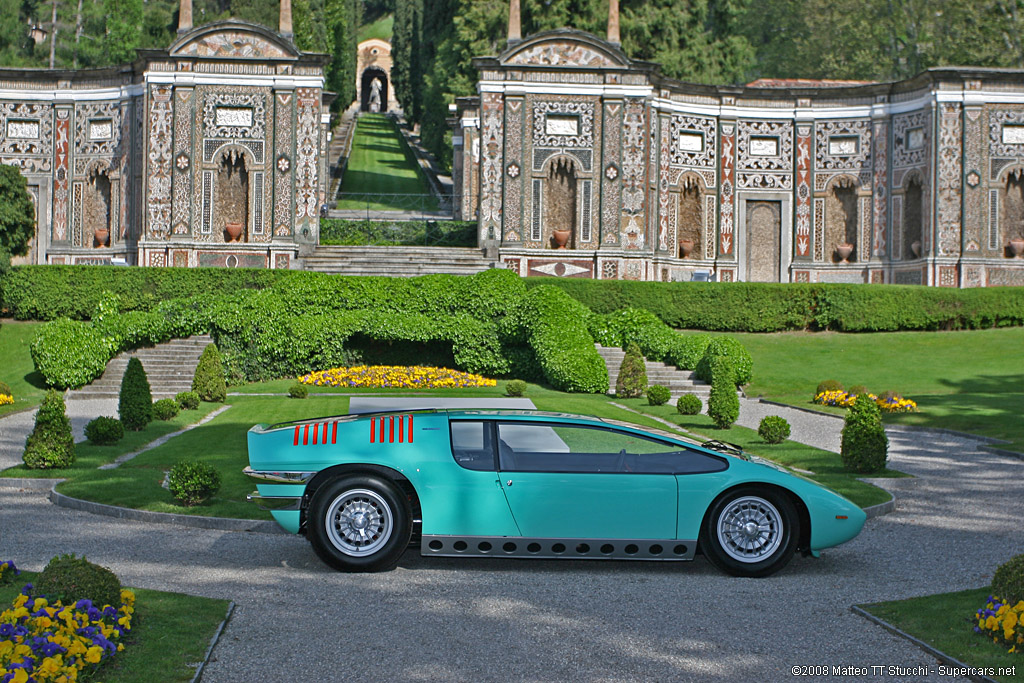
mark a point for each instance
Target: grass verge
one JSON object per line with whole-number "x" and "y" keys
{"x": 379, "y": 164}
{"x": 19, "y": 372}
{"x": 945, "y": 621}
{"x": 170, "y": 634}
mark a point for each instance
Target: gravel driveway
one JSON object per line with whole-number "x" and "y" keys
{"x": 499, "y": 620}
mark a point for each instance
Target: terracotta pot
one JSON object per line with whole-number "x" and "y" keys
{"x": 560, "y": 238}
{"x": 685, "y": 247}
{"x": 844, "y": 250}
{"x": 234, "y": 231}
{"x": 915, "y": 248}
{"x": 100, "y": 237}
{"x": 1017, "y": 247}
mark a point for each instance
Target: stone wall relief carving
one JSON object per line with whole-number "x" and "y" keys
{"x": 634, "y": 159}
{"x": 26, "y": 129}
{"x": 687, "y": 210}
{"x": 842, "y": 145}
{"x": 911, "y": 137}
{"x": 231, "y": 112}
{"x": 693, "y": 141}
{"x": 1006, "y": 132}
{"x": 950, "y": 184}
{"x": 561, "y": 53}
{"x": 97, "y": 129}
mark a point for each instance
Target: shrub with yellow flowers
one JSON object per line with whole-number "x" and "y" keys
{"x": 395, "y": 376}
{"x": 889, "y": 402}
{"x": 6, "y": 395}
{"x": 1003, "y": 623}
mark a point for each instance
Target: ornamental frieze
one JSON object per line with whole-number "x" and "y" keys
{"x": 561, "y": 53}
{"x": 26, "y": 128}
{"x": 1006, "y": 133}
{"x": 693, "y": 141}
{"x": 97, "y": 128}
{"x": 235, "y": 112}
{"x": 563, "y": 124}
{"x": 233, "y": 44}
{"x": 764, "y": 146}
{"x": 910, "y": 139}
{"x": 842, "y": 145}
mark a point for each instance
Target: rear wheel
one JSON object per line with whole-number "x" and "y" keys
{"x": 359, "y": 524}
{"x": 750, "y": 532}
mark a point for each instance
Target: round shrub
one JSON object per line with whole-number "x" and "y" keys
{"x": 69, "y": 353}
{"x": 193, "y": 482}
{"x": 864, "y": 445}
{"x": 208, "y": 381}
{"x": 69, "y": 579}
{"x": 773, "y": 429}
{"x": 135, "y": 401}
{"x": 165, "y": 409}
{"x": 298, "y": 390}
{"x": 1008, "y": 581}
{"x": 828, "y": 385}
{"x": 658, "y": 395}
{"x": 857, "y": 390}
{"x": 5, "y": 390}
{"x": 689, "y": 404}
{"x": 187, "y": 400}
{"x": 723, "y": 403}
{"x": 515, "y": 387}
{"x": 742, "y": 363}
{"x": 632, "y": 379}
{"x": 104, "y": 431}
{"x": 50, "y": 444}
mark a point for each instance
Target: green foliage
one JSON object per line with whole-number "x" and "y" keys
{"x": 208, "y": 381}
{"x": 741, "y": 363}
{"x": 298, "y": 390}
{"x": 123, "y": 20}
{"x": 411, "y": 233}
{"x": 187, "y": 400}
{"x": 773, "y": 429}
{"x": 104, "y": 431}
{"x": 165, "y": 409}
{"x": 5, "y": 390}
{"x": 135, "y": 401}
{"x": 689, "y": 404}
{"x": 17, "y": 215}
{"x": 69, "y": 354}
{"x": 657, "y": 341}
{"x": 50, "y": 444}
{"x": 192, "y": 482}
{"x": 723, "y": 403}
{"x": 1008, "y": 581}
{"x": 658, "y": 395}
{"x": 857, "y": 389}
{"x": 864, "y": 445}
{"x": 515, "y": 387}
{"x": 631, "y": 381}
{"x": 828, "y": 385}
{"x": 69, "y": 579}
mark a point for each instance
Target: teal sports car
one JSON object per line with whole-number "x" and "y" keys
{"x": 515, "y": 483}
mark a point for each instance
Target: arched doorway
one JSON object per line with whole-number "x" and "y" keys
{"x": 690, "y": 212}
{"x": 913, "y": 219}
{"x": 231, "y": 196}
{"x": 1011, "y": 218}
{"x": 373, "y": 90}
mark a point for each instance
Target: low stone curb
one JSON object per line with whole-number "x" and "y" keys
{"x": 26, "y": 484}
{"x": 160, "y": 441}
{"x": 938, "y": 654}
{"x": 213, "y": 643}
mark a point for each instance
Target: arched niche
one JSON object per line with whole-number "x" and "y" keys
{"x": 231, "y": 194}
{"x": 841, "y": 219}
{"x": 97, "y": 207}
{"x": 913, "y": 217}
{"x": 560, "y": 202}
{"x": 368, "y": 99}
{"x": 690, "y": 216}
{"x": 1011, "y": 212}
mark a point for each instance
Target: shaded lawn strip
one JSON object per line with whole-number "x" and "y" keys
{"x": 18, "y": 371}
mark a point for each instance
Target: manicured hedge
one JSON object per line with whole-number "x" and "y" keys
{"x": 411, "y": 233}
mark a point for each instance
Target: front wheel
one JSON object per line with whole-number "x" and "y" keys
{"x": 359, "y": 524}
{"x": 750, "y": 532}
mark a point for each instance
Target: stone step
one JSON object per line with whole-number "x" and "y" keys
{"x": 401, "y": 261}
{"x": 678, "y": 381}
{"x": 169, "y": 366}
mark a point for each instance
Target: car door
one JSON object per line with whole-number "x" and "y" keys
{"x": 566, "y": 480}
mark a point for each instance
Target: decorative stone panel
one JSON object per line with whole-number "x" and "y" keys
{"x": 491, "y": 143}
{"x": 949, "y": 179}
{"x": 803, "y": 191}
{"x": 515, "y": 112}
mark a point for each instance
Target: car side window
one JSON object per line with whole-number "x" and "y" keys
{"x": 552, "y": 447}
{"x": 473, "y": 444}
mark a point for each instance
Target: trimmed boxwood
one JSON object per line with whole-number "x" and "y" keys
{"x": 773, "y": 429}
{"x": 69, "y": 579}
{"x": 69, "y": 354}
{"x": 864, "y": 446}
{"x": 104, "y": 431}
{"x": 723, "y": 404}
{"x": 631, "y": 381}
{"x": 208, "y": 380}
{"x": 741, "y": 364}
{"x": 1008, "y": 581}
{"x": 165, "y": 409}
{"x": 187, "y": 400}
{"x": 50, "y": 444}
{"x": 298, "y": 390}
{"x": 689, "y": 404}
{"x": 135, "y": 400}
{"x": 193, "y": 482}
{"x": 658, "y": 395}
{"x": 515, "y": 387}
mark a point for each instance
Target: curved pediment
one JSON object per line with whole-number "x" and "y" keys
{"x": 234, "y": 39}
{"x": 565, "y": 47}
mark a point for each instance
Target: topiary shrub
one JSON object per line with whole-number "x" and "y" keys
{"x": 104, "y": 431}
{"x": 1008, "y": 581}
{"x": 193, "y": 482}
{"x": 658, "y": 395}
{"x": 50, "y": 444}
{"x": 828, "y": 385}
{"x": 723, "y": 404}
{"x": 68, "y": 353}
{"x": 773, "y": 429}
{"x": 135, "y": 401}
{"x": 864, "y": 445}
{"x": 515, "y": 387}
{"x": 298, "y": 390}
{"x": 69, "y": 579}
{"x": 208, "y": 381}
{"x": 187, "y": 400}
{"x": 741, "y": 362}
{"x": 689, "y": 404}
{"x": 632, "y": 379}
{"x": 5, "y": 390}
{"x": 165, "y": 409}
{"x": 857, "y": 390}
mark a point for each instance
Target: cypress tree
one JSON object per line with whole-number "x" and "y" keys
{"x": 632, "y": 379}
{"x": 135, "y": 402}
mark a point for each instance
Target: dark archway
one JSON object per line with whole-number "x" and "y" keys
{"x": 366, "y": 97}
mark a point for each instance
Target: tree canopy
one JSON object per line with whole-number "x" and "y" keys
{"x": 17, "y": 215}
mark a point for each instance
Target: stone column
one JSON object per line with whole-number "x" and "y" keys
{"x": 613, "y": 22}
{"x": 185, "y": 16}
{"x": 285, "y": 27}
{"x": 515, "y": 30}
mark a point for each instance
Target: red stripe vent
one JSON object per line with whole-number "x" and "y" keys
{"x": 401, "y": 422}
{"x": 373, "y": 430}
{"x": 391, "y": 429}
{"x": 387, "y": 425}
{"x": 295, "y": 441}
{"x": 305, "y": 436}
{"x": 316, "y": 430}
{"x": 334, "y": 433}
{"x": 410, "y": 429}
{"x": 382, "y": 425}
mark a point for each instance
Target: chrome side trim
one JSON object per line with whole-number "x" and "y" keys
{"x": 279, "y": 477}
{"x": 559, "y": 548}
{"x": 274, "y": 502}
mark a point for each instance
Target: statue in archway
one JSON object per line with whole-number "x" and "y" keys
{"x": 375, "y": 95}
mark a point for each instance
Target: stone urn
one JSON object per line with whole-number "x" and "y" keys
{"x": 234, "y": 231}
{"x": 100, "y": 237}
{"x": 1016, "y": 247}
{"x": 685, "y": 247}
{"x": 560, "y": 238}
{"x": 915, "y": 248}
{"x": 843, "y": 251}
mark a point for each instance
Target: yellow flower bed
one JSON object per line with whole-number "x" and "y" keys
{"x": 896, "y": 404}
{"x": 395, "y": 377}
{"x": 6, "y": 399}
{"x": 1003, "y": 623}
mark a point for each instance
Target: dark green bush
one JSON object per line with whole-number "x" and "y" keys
{"x": 689, "y": 404}
{"x": 135, "y": 400}
{"x": 298, "y": 390}
{"x": 741, "y": 364}
{"x": 69, "y": 579}
{"x": 165, "y": 409}
{"x": 208, "y": 381}
{"x": 689, "y": 350}
{"x": 187, "y": 400}
{"x": 50, "y": 444}
{"x": 828, "y": 385}
{"x": 723, "y": 403}
{"x": 412, "y": 233}
{"x": 773, "y": 429}
{"x": 1008, "y": 581}
{"x": 193, "y": 482}
{"x": 104, "y": 431}
{"x": 631, "y": 381}
{"x": 69, "y": 354}
{"x": 857, "y": 389}
{"x": 864, "y": 445}
{"x": 515, "y": 387}
{"x": 658, "y": 395}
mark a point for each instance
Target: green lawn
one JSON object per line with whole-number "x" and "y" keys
{"x": 380, "y": 29}
{"x": 379, "y": 164}
{"x": 169, "y": 636}
{"x": 945, "y": 621}
{"x": 18, "y": 370}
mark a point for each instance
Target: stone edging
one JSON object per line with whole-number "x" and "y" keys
{"x": 938, "y": 654}
{"x": 161, "y": 440}
{"x": 213, "y": 643}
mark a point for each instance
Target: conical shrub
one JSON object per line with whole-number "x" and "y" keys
{"x": 864, "y": 446}
{"x": 135, "y": 403}
{"x": 723, "y": 403}
{"x": 50, "y": 444}
{"x": 208, "y": 381}
{"x": 632, "y": 379}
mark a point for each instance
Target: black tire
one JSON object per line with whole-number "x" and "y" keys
{"x": 359, "y": 524}
{"x": 753, "y": 551}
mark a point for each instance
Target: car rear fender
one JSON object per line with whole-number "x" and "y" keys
{"x": 336, "y": 471}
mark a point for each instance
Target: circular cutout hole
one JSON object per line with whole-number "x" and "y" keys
{"x": 484, "y": 547}
{"x": 679, "y": 549}
{"x": 583, "y": 548}
{"x": 607, "y": 549}
{"x": 435, "y": 545}
{"x": 631, "y": 549}
{"x": 558, "y": 548}
{"x": 533, "y": 547}
{"x": 509, "y": 547}
{"x": 460, "y": 545}
{"x": 656, "y": 549}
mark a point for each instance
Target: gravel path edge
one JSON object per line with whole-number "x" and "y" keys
{"x": 213, "y": 643}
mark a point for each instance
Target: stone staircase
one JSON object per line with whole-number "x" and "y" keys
{"x": 169, "y": 367}
{"x": 678, "y": 381}
{"x": 396, "y": 261}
